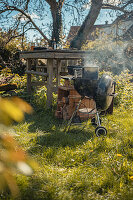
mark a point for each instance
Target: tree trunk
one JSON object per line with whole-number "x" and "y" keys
{"x": 57, "y": 23}
{"x": 87, "y": 26}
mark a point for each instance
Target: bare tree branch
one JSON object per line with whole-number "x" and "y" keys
{"x": 19, "y": 35}
{"x": 112, "y": 7}
{"x": 27, "y": 3}
{"x": 128, "y": 3}
{"x": 12, "y": 8}
{"x": 73, "y": 7}
{"x": 122, "y": 9}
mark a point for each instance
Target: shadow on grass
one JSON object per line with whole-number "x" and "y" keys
{"x": 58, "y": 138}
{"x": 42, "y": 121}
{"x": 37, "y": 189}
{"x": 50, "y": 131}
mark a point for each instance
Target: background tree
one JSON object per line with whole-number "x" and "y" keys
{"x": 10, "y": 42}
{"x": 123, "y": 7}
{"x": 10, "y": 45}
{"x": 27, "y": 11}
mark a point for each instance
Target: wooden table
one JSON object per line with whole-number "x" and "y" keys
{"x": 50, "y": 55}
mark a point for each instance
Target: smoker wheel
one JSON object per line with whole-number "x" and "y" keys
{"x": 100, "y": 131}
{"x": 93, "y": 121}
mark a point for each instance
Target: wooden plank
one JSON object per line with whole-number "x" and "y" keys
{"x": 43, "y": 67}
{"x": 49, "y": 83}
{"x": 41, "y": 55}
{"x": 37, "y": 73}
{"x": 28, "y": 76}
{"x": 67, "y": 56}
{"x": 58, "y": 77}
{"x": 55, "y": 54}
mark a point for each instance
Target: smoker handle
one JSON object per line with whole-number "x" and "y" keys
{"x": 113, "y": 94}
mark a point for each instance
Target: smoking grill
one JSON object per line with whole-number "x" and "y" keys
{"x": 87, "y": 83}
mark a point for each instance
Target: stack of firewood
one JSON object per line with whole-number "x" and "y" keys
{"x": 67, "y": 100}
{"x": 5, "y": 85}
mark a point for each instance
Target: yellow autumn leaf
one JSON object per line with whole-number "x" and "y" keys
{"x": 11, "y": 182}
{"x": 121, "y": 184}
{"x": 119, "y": 155}
{"x": 1, "y": 167}
{"x": 24, "y": 106}
{"x": 10, "y": 109}
{"x": 131, "y": 178}
{"x": 8, "y": 142}
{"x": 14, "y": 156}
{"x": 4, "y": 118}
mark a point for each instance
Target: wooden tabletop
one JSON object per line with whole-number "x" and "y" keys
{"x": 55, "y": 54}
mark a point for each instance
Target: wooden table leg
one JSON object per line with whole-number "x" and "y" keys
{"x": 29, "y": 76}
{"x": 58, "y": 72}
{"x": 49, "y": 83}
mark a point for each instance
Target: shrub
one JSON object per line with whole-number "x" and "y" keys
{"x": 124, "y": 88}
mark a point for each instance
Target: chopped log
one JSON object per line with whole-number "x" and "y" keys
{"x": 8, "y": 87}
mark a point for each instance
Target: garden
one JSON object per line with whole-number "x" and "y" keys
{"x": 59, "y": 165}
{"x": 38, "y": 159}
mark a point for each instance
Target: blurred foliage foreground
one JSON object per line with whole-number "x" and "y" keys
{"x": 12, "y": 157}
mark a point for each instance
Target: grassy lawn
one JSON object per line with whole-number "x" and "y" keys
{"x": 77, "y": 165}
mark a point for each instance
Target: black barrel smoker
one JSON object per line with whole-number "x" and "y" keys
{"x": 101, "y": 90}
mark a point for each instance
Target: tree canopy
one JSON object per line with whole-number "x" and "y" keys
{"x": 36, "y": 14}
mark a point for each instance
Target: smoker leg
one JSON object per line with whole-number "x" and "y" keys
{"x": 100, "y": 130}
{"x": 73, "y": 115}
{"x": 98, "y": 120}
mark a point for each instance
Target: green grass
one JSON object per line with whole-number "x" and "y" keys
{"x": 77, "y": 165}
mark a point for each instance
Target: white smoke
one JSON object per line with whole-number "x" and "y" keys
{"x": 110, "y": 58}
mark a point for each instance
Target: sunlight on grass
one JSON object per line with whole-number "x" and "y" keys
{"x": 78, "y": 165}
